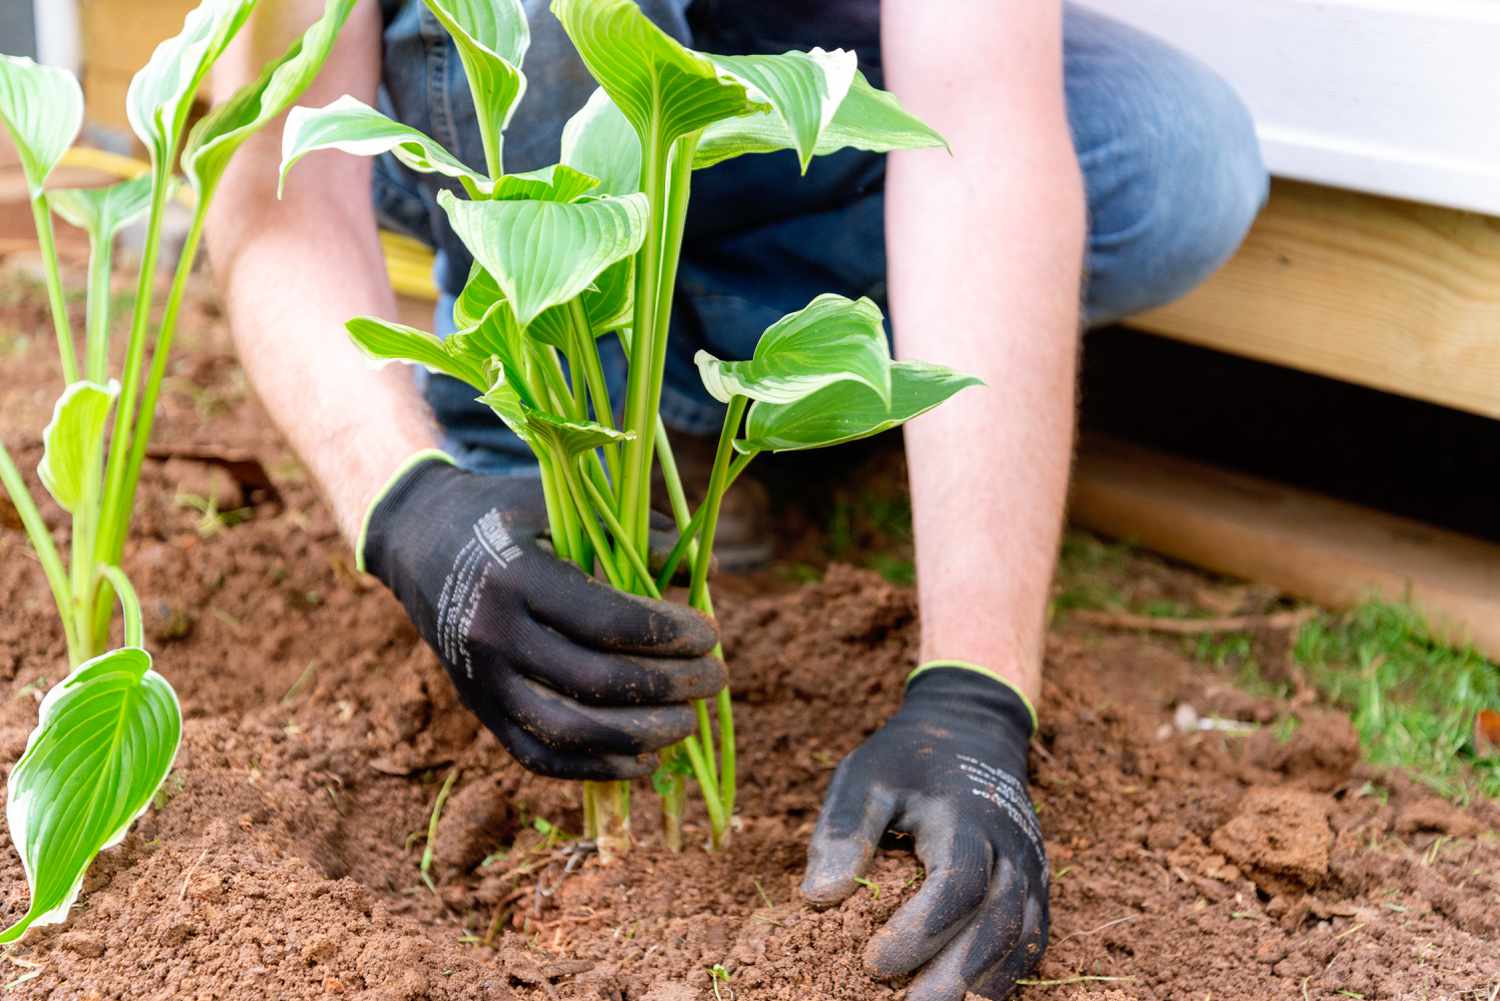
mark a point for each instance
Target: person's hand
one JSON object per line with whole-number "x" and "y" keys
{"x": 576, "y": 679}
{"x": 949, "y": 769}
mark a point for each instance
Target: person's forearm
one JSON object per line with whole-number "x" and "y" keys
{"x": 985, "y": 251}
{"x": 291, "y": 272}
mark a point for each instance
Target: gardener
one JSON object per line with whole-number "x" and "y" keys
{"x": 1056, "y": 115}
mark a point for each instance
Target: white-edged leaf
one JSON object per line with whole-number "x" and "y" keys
{"x": 556, "y": 435}
{"x": 161, "y": 94}
{"x": 831, "y": 339}
{"x": 492, "y": 37}
{"x": 74, "y": 440}
{"x": 664, "y": 89}
{"x": 847, "y": 411}
{"x": 213, "y": 142}
{"x": 488, "y": 338}
{"x": 600, "y": 142}
{"x": 383, "y": 341}
{"x": 103, "y": 212}
{"x": 541, "y": 254}
{"x": 868, "y": 119}
{"x": 350, "y": 125}
{"x": 555, "y": 183}
{"x": 805, "y": 89}
{"x": 42, "y": 108}
{"x": 105, "y": 740}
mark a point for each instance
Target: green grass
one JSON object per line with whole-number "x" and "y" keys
{"x": 1413, "y": 698}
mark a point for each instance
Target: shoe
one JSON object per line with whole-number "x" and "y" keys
{"x": 742, "y": 540}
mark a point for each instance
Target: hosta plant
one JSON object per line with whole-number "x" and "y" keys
{"x": 590, "y": 246}
{"x": 108, "y": 732}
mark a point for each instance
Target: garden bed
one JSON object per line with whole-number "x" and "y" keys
{"x": 283, "y": 858}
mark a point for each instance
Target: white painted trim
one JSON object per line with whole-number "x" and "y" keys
{"x": 1393, "y": 97}
{"x": 58, "y": 42}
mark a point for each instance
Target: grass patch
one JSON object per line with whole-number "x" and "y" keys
{"x": 1413, "y": 698}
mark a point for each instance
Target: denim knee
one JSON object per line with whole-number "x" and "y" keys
{"x": 1171, "y": 164}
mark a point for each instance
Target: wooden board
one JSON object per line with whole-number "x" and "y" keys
{"x": 1390, "y": 294}
{"x": 1313, "y": 547}
{"x": 118, "y": 39}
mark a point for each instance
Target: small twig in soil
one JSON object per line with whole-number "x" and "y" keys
{"x": 1091, "y": 931}
{"x": 762, "y": 891}
{"x": 1347, "y": 932}
{"x": 1065, "y": 981}
{"x": 182, "y": 894}
{"x": 869, "y": 884}
{"x": 1194, "y": 627}
{"x": 307, "y": 672}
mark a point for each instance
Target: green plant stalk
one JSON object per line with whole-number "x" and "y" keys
{"x": 42, "y": 545}
{"x": 635, "y": 490}
{"x": 84, "y": 570}
{"x": 119, "y": 443}
{"x": 586, "y": 352}
{"x": 688, "y": 537}
{"x": 672, "y": 802}
{"x": 678, "y": 191}
{"x": 582, "y": 508}
{"x": 160, "y": 354}
{"x": 96, "y": 334}
{"x": 699, "y": 598}
{"x": 130, "y": 605}
{"x": 47, "y": 240}
{"x": 606, "y": 513}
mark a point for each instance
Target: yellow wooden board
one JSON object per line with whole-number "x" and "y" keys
{"x": 1389, "y": 294}
{"x": 1307, "y": 545}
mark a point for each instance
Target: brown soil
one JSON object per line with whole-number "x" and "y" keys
{"x": 283, "y": 858}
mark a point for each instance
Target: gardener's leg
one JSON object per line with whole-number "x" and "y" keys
{"x": 1170, "y": 160}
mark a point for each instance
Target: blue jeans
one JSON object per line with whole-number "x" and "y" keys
{"x": 1171, "y": 168}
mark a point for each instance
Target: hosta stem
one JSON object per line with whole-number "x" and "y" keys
{"x": 46, "y": 239}
{"x": 607, "y": 810}
{"x": 96, "y": 335}
{"x": 42, "y": 545}
{"x": 130, "y": 605}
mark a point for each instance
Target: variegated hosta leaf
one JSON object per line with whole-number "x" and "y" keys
{"x": 383, "y": 341}
{"x": 488, "y": 337}
{"x": 492, "y": 37}
{"x": 805, "y": 89}
{"x": 42, "y": 108}
{"x": 213, "y": 141}
{"x": 599, "y": 141}
{"x": 103, "y": 212}
{"x": 555, "y": 183}
{"x": 868, "y": 119}
{"x": 350, "y": 125}
{"x": 542, "y": 254}
{"x": 74, "y": 440}
{"x": 832, "y": 339}
{"x": 558, "y": 436}
{"x": 664, "y": 89}
{"x": 847, "y": 411}
{"x": 161, "y": 94}
{"x": 606, "y": 305}
{"x": 105, "y": 740}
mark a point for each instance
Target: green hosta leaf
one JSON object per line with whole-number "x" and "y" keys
{"x": 213, "y": 141}
{"x": 488, "y": 338}
{"x": 102, "y": 212}
{"x": 42, "y": 108}
{"x": 805, "y": 89}
{"x": 557, "y": 435}
{"x": 383, "y": 341}
{"x": 846, "y": 411}
{"x": 492, "y": 37}
{"x": 542, "y": 254}
{"x": 557, "y": 183}
{"x": 352, "y": 126}
{"x": 599, "y": 141}
{"x": 664, "y": 89}
{"x": 106, "y": 738}
{"x": 832, "y": 339}
{"x": 162, "y": 93}
{"x": 868, "y": 119}
{"x": 74, "y": 440}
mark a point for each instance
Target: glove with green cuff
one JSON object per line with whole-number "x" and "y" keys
{"x": 576, "y": 679}
{"x": 949, "y": 769}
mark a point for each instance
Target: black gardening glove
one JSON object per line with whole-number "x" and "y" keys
{"x": 578, "y": 680}
{"x": 949, "y": 769}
